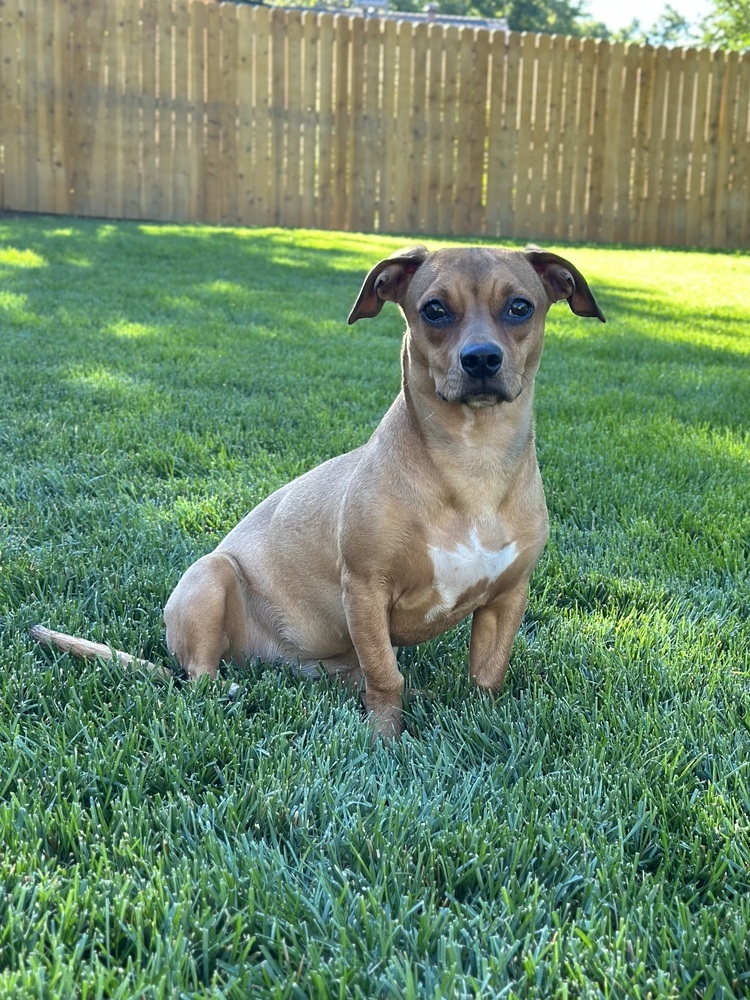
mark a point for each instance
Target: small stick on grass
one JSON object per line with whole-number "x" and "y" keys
{"x": 87, "y": 650}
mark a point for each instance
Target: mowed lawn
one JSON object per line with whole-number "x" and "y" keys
{"x": 585, "y": 834}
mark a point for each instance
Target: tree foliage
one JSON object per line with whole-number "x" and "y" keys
{"x": 671, "y": 28}
{"x": 728, "y": 24}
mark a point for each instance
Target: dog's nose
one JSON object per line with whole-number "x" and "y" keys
{"x": 481, "y": 360}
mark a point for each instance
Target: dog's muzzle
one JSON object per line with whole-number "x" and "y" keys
{"x": 481, "y": 361}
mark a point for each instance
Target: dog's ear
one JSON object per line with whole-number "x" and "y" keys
{"x": 563, "y": 281}
{"x": 387, "y": 282}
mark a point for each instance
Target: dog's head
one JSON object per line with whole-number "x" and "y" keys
{"x": 475, "y": 315}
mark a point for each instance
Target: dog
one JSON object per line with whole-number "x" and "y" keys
{"x": 440, "y": 515}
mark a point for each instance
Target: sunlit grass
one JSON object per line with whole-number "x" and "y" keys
{"x": 585, "y": 834}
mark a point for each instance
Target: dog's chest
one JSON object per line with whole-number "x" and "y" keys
{"x": 466, "y": 568}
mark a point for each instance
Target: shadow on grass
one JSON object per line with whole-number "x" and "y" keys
{"x": 127, "y": 268}
{"x": 265, "y": 311}
{"x": 139, "y": 278}
{"x": 229, "y": 264}
{"x": 218, "y": 335}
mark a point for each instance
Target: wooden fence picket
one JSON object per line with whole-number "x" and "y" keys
{"x": 738, "y": 229}
{"x": 448, "y": 135}
{"x": 309, "y": 118}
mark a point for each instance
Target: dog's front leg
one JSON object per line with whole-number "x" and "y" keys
{"x": 493, "y": 630}
{"x": 366, "y": 609}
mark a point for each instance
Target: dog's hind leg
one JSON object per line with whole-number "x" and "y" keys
{"x": 206, "y": 616}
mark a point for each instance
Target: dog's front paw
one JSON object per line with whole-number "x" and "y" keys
{"x": 388, "y": 726}
{"x": 386, "y": 719}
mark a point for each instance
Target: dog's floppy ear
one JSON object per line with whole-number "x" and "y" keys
{"x": 563, "y": 281}
{"x": 387, "y": 282}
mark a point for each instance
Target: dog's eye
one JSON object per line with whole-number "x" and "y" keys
{"x": 518, "y": 310}
{"x": 435, "y": 312}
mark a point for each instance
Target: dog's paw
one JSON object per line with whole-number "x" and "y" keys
{"x": 386, "y": 721}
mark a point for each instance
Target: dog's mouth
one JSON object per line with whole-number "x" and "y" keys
{"x": 478, "y": 393}
{"x": 482, "y": 400}
{"x": 481, "y": 397}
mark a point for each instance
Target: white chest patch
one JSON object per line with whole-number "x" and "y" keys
{"x": 458, "y": 570}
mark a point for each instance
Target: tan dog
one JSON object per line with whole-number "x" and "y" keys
{"x": 440, "y": 515}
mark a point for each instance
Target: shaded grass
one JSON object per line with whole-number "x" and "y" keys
{"x": 585, "y": 834}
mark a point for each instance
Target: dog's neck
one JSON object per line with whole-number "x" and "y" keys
{"x": 483, "y": 448}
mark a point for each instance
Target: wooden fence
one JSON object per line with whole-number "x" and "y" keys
{"x": 189, "y": 110}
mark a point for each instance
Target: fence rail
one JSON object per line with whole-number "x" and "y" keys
{"x": 188, "y": 110}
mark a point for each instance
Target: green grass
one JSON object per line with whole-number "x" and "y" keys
{"x": 585, "y": 834}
